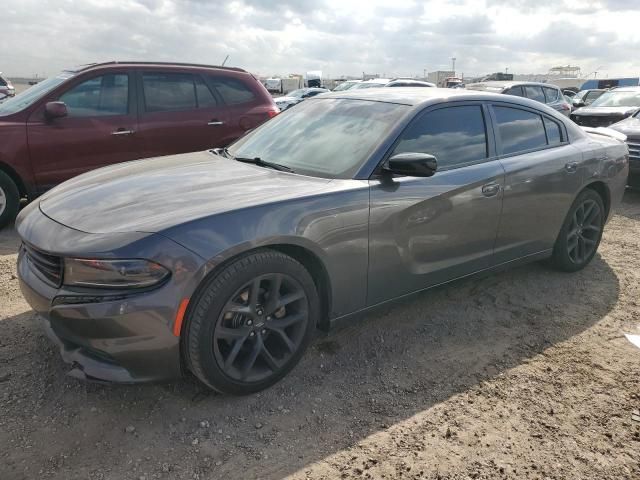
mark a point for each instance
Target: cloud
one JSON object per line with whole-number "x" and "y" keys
{"x": 293, "y": 36}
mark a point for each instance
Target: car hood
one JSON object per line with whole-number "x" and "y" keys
{"x": 628, "y": 126}
{"x": 154, "y": 194}
{"x": 605, "y": 111}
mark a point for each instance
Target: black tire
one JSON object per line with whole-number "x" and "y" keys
{"x": 226, "y": 318}
{"x": 9, "y": 200}
{"x": 581, "y": 233}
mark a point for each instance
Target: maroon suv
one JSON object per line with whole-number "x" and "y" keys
{"x": 107, "y": 113}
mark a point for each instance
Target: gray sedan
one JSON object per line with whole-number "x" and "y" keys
{"x": 226, "y": 262}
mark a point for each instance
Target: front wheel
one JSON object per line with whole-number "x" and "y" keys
{"x": 581, "y": 233}
{"x": 9, "y": 200}
{"x": 251, "y": 323}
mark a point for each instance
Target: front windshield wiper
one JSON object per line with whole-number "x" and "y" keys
{"x": 263, "y": 163}
{"x": 224, "y": 152}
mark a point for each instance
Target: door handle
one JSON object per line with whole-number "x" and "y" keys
{"x": 571, "y": 167}
{"x": 215, "y": 122}
{"x": 490, "y": 189}
{"x": 122, "y": 131}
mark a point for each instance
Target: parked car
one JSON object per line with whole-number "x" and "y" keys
{"x": 630, "y": 126}
{"x": 569, "y": 93}
{"x": 346, "y": 85}
{"x": 6, "y": 88}
{"x": 107, "y": 113}
{"x": 295, "y": 97}
{"x": 225, "y": 262}
{"x": 403, "y": 82}
{"x": 586, "y": 97}
{"x": 540, "y": 92}
{"x": 373, "y": 83}
{"x": 609, "y": 108}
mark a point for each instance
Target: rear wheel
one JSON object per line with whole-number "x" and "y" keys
{"x": 251, "y": 323}
{"x": 9, "y": 200}
{"x": 581, "y": 233}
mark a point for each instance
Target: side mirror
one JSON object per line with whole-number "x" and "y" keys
{"x": 412, "y": 164}
{"x": 55, "y": 110}
{"x": 578, "y": 103}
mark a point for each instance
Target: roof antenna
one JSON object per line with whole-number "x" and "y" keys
{"x": 225, "y": 60}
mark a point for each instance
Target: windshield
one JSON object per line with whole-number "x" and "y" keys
{"x": 30, "y": 95}
{"x": 344, "y": 86}
{"x": 618, "y": 99}
{"x": 330, "y": 138}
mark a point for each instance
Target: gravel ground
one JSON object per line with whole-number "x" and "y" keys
{"x": 525, "y": 374}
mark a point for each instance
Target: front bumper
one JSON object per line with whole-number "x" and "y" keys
{"x": 115, "y": 336}
{"x": 124, "y": 340}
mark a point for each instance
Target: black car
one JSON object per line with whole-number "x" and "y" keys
{"x": 611, "y": 107}
{"x": 630, "y": 126}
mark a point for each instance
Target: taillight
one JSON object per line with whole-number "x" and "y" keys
{"x": 272, "y": 112}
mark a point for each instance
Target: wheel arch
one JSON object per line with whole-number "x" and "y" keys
{"x": 15, "y": 177}
{"x": 601, "y": 189}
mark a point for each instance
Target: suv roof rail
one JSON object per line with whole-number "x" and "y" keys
{"x": 88, "y": 66}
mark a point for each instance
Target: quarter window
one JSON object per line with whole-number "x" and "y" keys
{"x": 232, "y": 91}
{"x": 534, "y": 93}
{"x": 554, "y": 136}
{"x": 168, "y": 91}
{"x": 519, "y": 130}
{"x": 99, "y": 96}
{"x": 551, "y": 94}
{"x": 205, "y": 97}
{"x": 455, "y": 136}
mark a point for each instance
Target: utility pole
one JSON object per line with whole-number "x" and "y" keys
{"x": 506, "y": 70}
{"x": 453, "y": 65}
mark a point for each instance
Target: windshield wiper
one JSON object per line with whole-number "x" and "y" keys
{"x": 263, "y": 163}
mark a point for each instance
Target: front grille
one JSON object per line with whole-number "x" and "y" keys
{"x": 595, "y": 120}
{"x": 634, "y": 149}
{"x": 46, "y": 266}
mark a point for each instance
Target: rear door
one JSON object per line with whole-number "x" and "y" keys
{"x": 99, "y": 129}
{"x": 425, "y": 231}
{"x": 179, "y": 113}
{"x": 543, "y": 176}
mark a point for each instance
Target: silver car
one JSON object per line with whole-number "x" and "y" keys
{"x": 226, "y": 262}
{"x": 540, "y": 92}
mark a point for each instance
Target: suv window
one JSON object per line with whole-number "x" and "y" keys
{"x": 454, "y": 135}
{"x": 205, "y": 97}
{"x": 99, "y": 96}
{"x": 517, "y": 91}
{"x": 551, "y": 94}
{"x": 164, "y": 91}
{"x": 519, "y": 130}
{"x": 232, "y": 91}
{"x": 534, "y": 93}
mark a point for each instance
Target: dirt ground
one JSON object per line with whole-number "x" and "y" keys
{"x": 525, "y": 374}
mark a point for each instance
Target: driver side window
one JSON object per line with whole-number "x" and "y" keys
{"x": 456, "y": 136}
{"x": 100, "y": 96}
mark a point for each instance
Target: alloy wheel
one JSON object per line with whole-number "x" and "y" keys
{"x": 261, "y": 327}
{"x": 584, "y": 231}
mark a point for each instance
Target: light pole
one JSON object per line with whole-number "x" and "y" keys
{"x": 453, "y": 65}
{"x": 506, "y": 70}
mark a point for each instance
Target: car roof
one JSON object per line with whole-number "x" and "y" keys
{"x": 422, "y": 96}
{"x": 625, "y": 89}
{"x": 510, "y": 83}
{"x": 114, "y": 63}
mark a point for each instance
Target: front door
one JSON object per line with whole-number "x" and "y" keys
{"x": 178, "y": 114}
{"x": 98, "y": 130}
{"x": 425, "y": 231}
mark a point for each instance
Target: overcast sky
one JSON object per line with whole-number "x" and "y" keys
{"x": 343, "y": 37}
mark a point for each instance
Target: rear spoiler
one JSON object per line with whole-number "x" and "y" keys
{"x": 607, "y": 132}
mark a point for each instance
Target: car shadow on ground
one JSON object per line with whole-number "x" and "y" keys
{"x": 358, "y": 380}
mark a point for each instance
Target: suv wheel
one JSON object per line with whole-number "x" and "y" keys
{"x": 9, "y": 200}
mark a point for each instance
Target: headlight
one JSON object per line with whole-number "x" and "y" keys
{"x": 81, "y": 272}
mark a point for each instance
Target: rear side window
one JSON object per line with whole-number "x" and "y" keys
{"x": 168, "y": 91}
{"x": 100, "y": 96}
{"x": 204, "y": 96}
{"x": 233, "y": 91}
{"x": 551, "y": 94}
{"x": 534, "y": 93}
{"x": 554, "y": 136}
{"x": 519, "y": 130}
{"x": 517, "y": 91}
{"x": 454, "y": 135}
